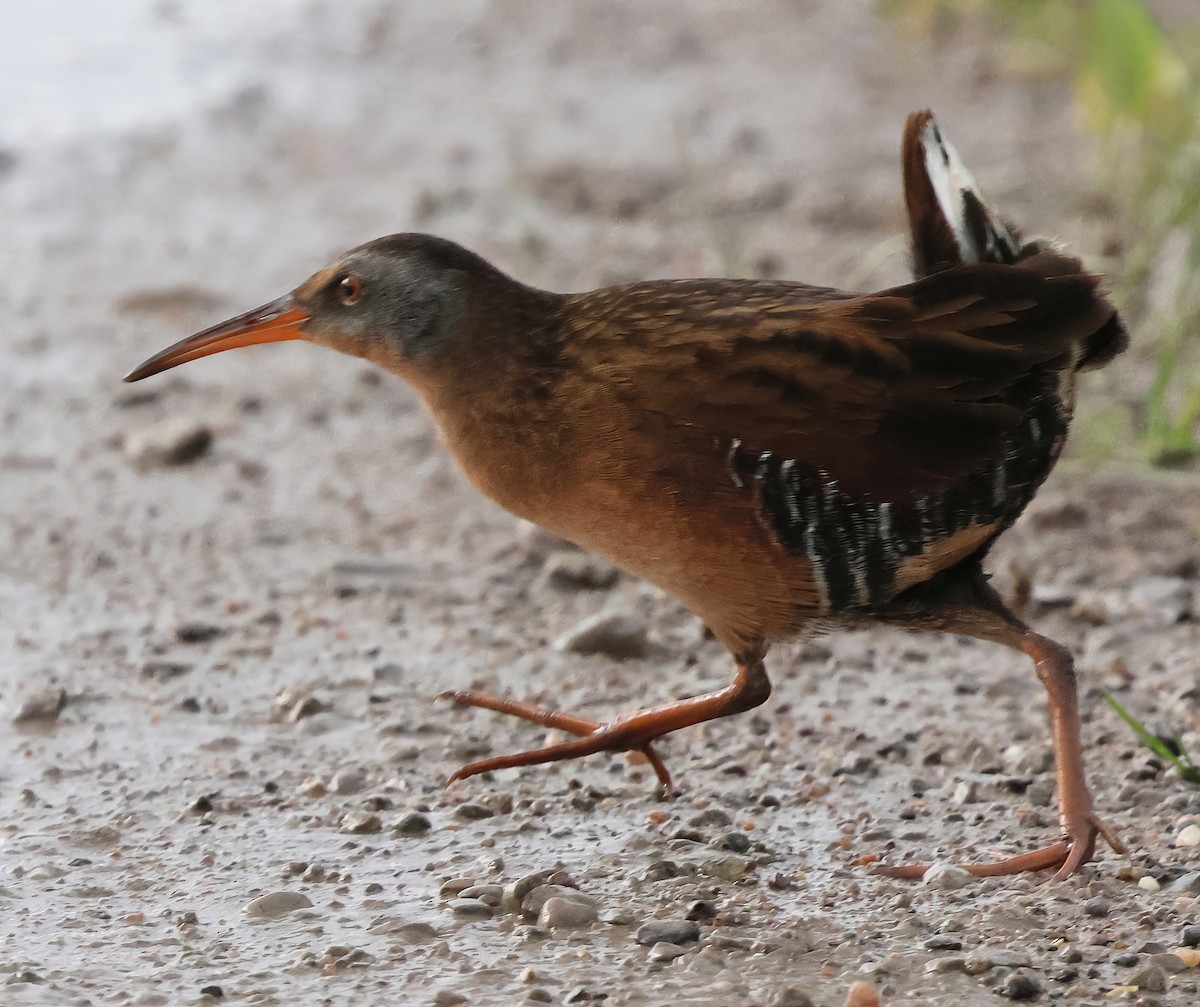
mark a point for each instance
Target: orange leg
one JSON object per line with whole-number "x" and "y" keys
{"x": 634, "y": 732}
{"x": 987, "y": 618}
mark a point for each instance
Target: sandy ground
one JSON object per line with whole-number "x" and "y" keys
{"x": 248, "y": 642}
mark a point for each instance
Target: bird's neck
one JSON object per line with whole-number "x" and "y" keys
{"x": 495, "y": 402}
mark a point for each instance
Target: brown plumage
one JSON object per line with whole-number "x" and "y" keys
{"x": 783, "y": 458}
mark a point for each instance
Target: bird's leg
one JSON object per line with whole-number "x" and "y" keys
{"x": 633, "y": 732}
{"x": 979, "y": 612}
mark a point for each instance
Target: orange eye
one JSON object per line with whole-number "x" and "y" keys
{"x": 349, "y": 289}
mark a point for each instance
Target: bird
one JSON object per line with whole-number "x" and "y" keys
{"x": 785, "y": 459}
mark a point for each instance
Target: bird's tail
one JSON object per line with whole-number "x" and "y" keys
{"x": 952, "y": 225}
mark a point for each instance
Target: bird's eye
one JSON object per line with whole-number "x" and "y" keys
{"x": 349, "y": 289}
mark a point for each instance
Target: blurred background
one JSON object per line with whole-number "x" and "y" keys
{"x": 187, "y": 562}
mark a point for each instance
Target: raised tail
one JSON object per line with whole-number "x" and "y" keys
{"x": 952, "y": 225}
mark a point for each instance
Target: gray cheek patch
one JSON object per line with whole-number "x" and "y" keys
{"x": 413, "y": 304}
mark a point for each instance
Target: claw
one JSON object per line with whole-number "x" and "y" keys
{"x": 1069, "y": 854}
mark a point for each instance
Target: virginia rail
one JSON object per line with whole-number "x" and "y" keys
{"x": 784, "y": 458}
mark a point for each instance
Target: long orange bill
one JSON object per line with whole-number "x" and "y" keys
{"x": 279, "y": 320}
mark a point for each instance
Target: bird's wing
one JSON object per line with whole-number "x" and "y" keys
{"x": 892, "y": 394}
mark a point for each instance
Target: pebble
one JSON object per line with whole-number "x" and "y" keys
{"x": 491, "y": 894}
{"x": 448, "y": 998}
{"x": 173, "y": 442}
{"x": 536, "y": 898}
{"x": 617, "y": 917}
{"x": 471, "y": 908}
{"x": 668, "y": 931}
{"x": 412, "y": 824}
{"x": 943, "y": 942}
{"x": 966, "y": 792}
{"x": 664, "y": 951}
{"x": 1189, "y": 956}
{"x": 737, "y": 842}
{"x": 1097, "y": 907}
{"x": 1148, "y": 884}
{"x": 197, "y": 632}
{"x": 615, "y": 634}
{"x": 1187, "y": 884}
{"x": 577, "y": 571}
{"x": 787, "y": 996}
{"x": 1020, "y": 986}
{"x": 348, "y": 781}
{"x": 1170, "y": 963}
{"x": 158, "y": 670}
{"x": 1190, "y": 937}
{"x": 45, "y": 705}
{"x": 946, "y": 877}
{"x": 473, "y": 812}
{"x": 1190, "y": 836}
{"x": 1168, "y": 599}
{"x": 455, "y": 886}
{"x": 274, "y": 905}
{"x": 982, "y": 959}
{"x": 559, "y": 912}
{"x": 361, "y": 823}
{"x": 862, "y": 994}
{"x": 1152, "y": 979}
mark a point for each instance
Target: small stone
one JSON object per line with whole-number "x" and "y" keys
{"x": 787, "y": 996}
{"x": 985, "y": 958}
{"x": 314, "y": 786}
{"x": 668, "y": 931}
{"x": 1021, "y": 986}
{"x": 577, "y": 571}
{"x": 447, "y": 998}
{"x": 412, "y": 824}
{"x": 172, "y": 442}
{"x": 274, "y": 905}
{"x": 862, "y": 994}
{"x": 1098, "y": 908}
{"x": 1190, "y": 937}
{"x": 455, "y": 886}
{"x": 1166, "y": 599}
{"x": 1189, "y": 956}
{"x": 1190, "y": 836}
{"x": 212, "y": 991}
{"x": 472, "y": 812}
{"x": 665, "y": 952}
{"x": 1148, "y": 884}
{"x": 536, "y": 898}
{"x": 946, "y": 877}
{"x": 348, "y": 781}
{"x": 617, "y": 917}
{"x": 305, "y": 706}
{"x": 537, "y": 995}
{"x": 484, "y": 893}
{"x": 471, "y": 908}
{"x": 966, "y": 792}
{"x": 1186, "y": 884}
{"x": 197, "y": 632}
{"x": 361, "y": 823}
{"x": 559, "y": 912}
{"x": 943, "y": 942}
{"x": 737, "y": 842}
{"x": 581, "y": 994}
{"x": 1152, "y": 979}
{"x": 1169, "y": 963}
{"x": 614, "y": 634}
{"x": 45, "y": 705}
{"x": 163, "y": 671}
{"x": 388, "y": 674}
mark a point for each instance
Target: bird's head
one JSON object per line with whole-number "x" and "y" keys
{"x": 398, "y": 301}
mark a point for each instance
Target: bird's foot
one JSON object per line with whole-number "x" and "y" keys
{"x": 633, "y": 733}
{"x": 1067, "y": 855}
